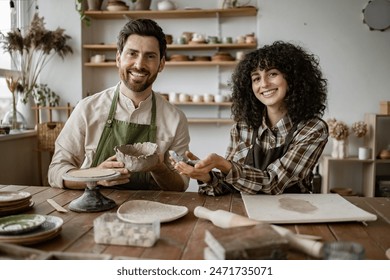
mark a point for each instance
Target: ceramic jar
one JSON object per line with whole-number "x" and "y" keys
{"x": 166, "y": 5}
{"x": 219, "y": 98}
{"x": 207, "y": 97}
{"x": 197, "y": 98}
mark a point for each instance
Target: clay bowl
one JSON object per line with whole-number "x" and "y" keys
{"x": 384, "y": 154}
{"x": 137, "y": 157}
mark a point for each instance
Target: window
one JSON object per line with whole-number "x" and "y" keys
{"x": 5, "y": 60}
{"x": 18, "y": 16}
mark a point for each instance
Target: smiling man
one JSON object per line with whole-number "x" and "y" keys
{"x": 127, "y": 113}
{"x": 279, "y": 96}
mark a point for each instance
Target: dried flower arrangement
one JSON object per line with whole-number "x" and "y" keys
{"x": 359, "y": 129}
{"x": 338, "y": 129}
{"x": 31, "y": 53}
{"x": 12, "y": 84}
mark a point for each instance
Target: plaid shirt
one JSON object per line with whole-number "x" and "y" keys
{"x": 294, "y": 167}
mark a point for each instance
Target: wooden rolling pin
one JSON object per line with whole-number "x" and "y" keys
{"x": 225, "y": 219}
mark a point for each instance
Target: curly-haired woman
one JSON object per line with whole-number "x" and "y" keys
{"x": 279, "y": 96}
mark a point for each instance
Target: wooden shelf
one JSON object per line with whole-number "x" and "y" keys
{"x": 172, "y": 63}
{"x": 228, "y": 104}
{"x": 209, "y": 121}
{"x": 348, "y": 159}
{"x": 112, "y": 47}
{"x": 375, "y": 139}
{"x": 154, "y": 14}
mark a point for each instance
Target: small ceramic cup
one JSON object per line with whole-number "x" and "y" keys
{"x": 240, "y": 55}
{"x": 197, "y": 98}
{"x": 173, "y": 97}
{"x": 99, "y": 58}
{"x": 364, "y": 153}
{"x": 182, "y": 40}
{"x": 208, "y": 97}
{"x": 213, "y": 39}
{"x": 227, "y": 40}
{"x": 219, "y": 98}
{"x": 240, "y": 39}
{"x": 183, "y": 97}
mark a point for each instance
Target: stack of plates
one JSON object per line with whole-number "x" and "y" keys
{"x": 179, "y": 57}
{"x": 29, "y": 228}
{"x": 222, "y": 56}
{"x": 14, "y": 202}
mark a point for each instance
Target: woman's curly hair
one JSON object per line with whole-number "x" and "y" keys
{"x": 306, "y": 96}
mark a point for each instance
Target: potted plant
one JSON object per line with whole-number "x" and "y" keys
{"x": 44, "y": 96}
{"x": 82, "y": 5}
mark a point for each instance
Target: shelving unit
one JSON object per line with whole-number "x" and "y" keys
{"x": 218, "y": 120}
{"x": 90, "y": 47}
{"x": 195, "y": 13}
{"x": 112, "y": 47}
{"x": 377, "y": 139}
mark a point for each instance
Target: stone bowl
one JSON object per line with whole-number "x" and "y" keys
{"x": 137, "y": 157}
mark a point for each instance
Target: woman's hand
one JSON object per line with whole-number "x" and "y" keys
{"x": 112, "y": 163}
{"x": 200, "y": 171}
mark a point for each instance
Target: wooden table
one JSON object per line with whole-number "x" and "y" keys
{"x": 183, "y": 238}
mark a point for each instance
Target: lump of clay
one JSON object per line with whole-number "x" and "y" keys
{"x": 137, "y": 157}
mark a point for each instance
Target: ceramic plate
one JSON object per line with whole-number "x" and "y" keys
{"x": 17, "y": 208}
{"x": 91, "y": 174}
{"x": 9, "y": 198}
{"x": 144, "y": 211}
{"x": 48, "y": 230}
{"x": 20, "y": 223}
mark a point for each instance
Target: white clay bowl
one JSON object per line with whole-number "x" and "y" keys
{"x": 137, "y": 157}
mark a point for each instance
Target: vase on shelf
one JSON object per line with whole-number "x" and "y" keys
{"x": 141, "y": 5}
{"x": 94, "y": 5}
{"x": 24, "y": 106}
{"x": 13, "y": 118}
{"x": 339, "y": 148}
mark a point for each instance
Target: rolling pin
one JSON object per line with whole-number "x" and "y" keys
{"x": 225, "y": 219}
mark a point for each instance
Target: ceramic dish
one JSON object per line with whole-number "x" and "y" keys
{"x": 90, "y": 175}
{"x": 137, "y": 157}
{"x": 15, "y": 209}
{"x": 144, "y": 211}
{"x": 20, "y": 223}
{"x": 48, "y": 230}
{"x": 115, "y": 8}
{"x": 9, "y": 198}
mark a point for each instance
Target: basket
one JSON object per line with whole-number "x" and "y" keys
{"x": 47, "y": 134}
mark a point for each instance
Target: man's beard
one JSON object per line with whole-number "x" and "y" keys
{"x": 138, "y": 87}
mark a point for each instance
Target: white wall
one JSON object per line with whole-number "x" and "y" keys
{"x": 355, "y": 60}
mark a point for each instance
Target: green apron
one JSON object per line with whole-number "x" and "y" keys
{"x": 117, "y": 133}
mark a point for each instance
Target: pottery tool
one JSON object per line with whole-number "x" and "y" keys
{"x": 56, "y": 206}
{"x": 225, "y": 219}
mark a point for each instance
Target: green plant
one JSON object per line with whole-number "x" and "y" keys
{"x": 44, "y": 96}
{"x": 80, "y": 7}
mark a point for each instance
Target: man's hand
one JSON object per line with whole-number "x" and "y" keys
{"x": 112, "y": 163}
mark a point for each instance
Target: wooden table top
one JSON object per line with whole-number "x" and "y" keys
{"x": 184, "y": 237}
